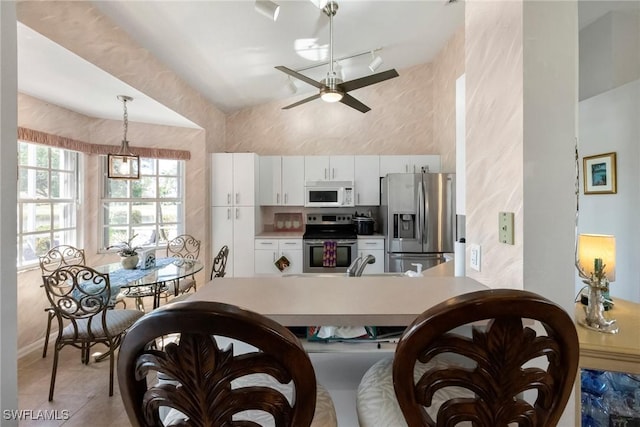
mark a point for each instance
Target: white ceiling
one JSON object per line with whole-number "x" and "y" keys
{"x": 227, "y": 51}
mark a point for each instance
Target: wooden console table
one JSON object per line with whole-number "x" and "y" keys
{"x": 612, "y": 352}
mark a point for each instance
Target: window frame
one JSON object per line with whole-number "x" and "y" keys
{"x": 180, "y": 201}
{"x": 75, "y": 201}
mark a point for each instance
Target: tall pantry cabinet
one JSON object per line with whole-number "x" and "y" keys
{"x": 234, "y": 183}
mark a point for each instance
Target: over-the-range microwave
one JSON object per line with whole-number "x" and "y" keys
{"x": 330, "y": 194}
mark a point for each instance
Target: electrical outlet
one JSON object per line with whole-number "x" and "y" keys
{"x": 474, "y": 259}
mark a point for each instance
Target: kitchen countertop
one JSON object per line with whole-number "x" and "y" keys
{"x": 374, "y": 300}
{"x": 280, "y": 235}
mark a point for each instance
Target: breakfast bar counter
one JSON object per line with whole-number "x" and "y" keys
{"x": 339, "y": 300}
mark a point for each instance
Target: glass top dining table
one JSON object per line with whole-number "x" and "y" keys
{"x": 150, "y": 282}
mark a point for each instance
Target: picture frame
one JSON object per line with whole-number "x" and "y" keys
{"x": 599, "y": 173}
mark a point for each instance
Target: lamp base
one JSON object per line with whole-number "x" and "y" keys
{"x": 603, "y": 325}
{"x": 594, "y": 313}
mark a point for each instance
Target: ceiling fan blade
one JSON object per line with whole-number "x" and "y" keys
{"x": 295, "y": 104}
{"x": 368, "y": 80}
{"x": 354, "y": 103}
{"x": 299, "y": 76}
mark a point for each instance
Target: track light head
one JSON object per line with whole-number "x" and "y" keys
{"x": 375, "y": 64}
{"x": 267, "y": 8}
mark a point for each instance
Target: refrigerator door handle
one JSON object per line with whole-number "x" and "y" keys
{"x": 420, "y": 223}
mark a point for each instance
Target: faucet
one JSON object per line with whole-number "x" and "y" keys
{"x": 357, "y": 266}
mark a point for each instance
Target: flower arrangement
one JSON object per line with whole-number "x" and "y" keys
{"x": 125, "y": 249}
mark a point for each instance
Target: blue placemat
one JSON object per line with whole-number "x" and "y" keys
{"x": 122, "y": 277}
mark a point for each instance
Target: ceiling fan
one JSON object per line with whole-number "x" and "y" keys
{"x": 332, "y": 88}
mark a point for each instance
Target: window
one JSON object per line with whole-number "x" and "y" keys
{"x": 150, "y": 208}
{"x": 47, "y": 200}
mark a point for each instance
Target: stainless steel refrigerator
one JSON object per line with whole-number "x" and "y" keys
{"x": 418, "y": 217}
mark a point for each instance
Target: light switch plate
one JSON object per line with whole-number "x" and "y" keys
{"x": 474, "y": 257}
{"x": 505, "y": 227}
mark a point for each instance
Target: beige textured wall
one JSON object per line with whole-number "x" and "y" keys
{"x": 494, "y": 136}
{"x": 38, "y": 115}
{"x": 413, "y": 113}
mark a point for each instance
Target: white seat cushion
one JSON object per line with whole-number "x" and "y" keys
{"x": 116, "y": 320}
{"x": 376, "y": 400}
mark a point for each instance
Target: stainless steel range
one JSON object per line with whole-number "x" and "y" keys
{"x": 330, "y": 243}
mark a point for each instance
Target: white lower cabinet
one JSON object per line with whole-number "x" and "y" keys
{"x": 375, "y": 247}
{"x": 234, "y": 227}
{"x": 268, "y": 251}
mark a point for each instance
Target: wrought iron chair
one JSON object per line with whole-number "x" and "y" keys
{"x": 443, "y": 376}
{"x": 81, "y": 297}
{"x": 185, "y": 247}
{"x": 204, "y": 383}
{"x": 56, "y": 257}
{"x": 220, "y": 263}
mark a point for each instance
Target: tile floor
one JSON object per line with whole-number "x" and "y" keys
{"x": 83, "y": 390}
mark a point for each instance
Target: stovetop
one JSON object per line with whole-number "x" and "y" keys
{"x": 329, "y": 227}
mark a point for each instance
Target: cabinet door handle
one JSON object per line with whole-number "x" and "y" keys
{"x": 325, "y": 173}
{"x": 228, "y": 213}
{"x": 358, "y": 196}
{"x": 286, "y": 198}
{"x": 237, "y": 197}
{"x": 278, "y": 198}
{"x": 237, "y": 213}
{"x": 333, "y": 173}
{"x": 228, "y": 198}
{"x": 274, "y": 257}
{"x": 267, "y": 243}
{"x": 290, "y": 243}
{"x": 370, "y": 243}
{"x": 406, "y": 168}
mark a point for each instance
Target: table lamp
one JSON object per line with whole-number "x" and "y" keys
{"x": 597, "y": 267}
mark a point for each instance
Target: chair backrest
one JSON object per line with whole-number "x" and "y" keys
{"x": 60, "y": 256}
{"x": 200, "y": 373}
{"x": 78, "y": 292}
{"x": 220, "y": 263}
{"x": 494, "y": 377}
{"x": 184, "y": 246}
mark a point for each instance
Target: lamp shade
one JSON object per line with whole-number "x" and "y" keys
{"x": 592, "y": 247}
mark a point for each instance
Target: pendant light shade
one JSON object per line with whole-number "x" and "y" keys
{"x": 124, "y": 164}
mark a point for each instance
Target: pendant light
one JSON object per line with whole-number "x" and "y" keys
{"x": 124, "y": 164}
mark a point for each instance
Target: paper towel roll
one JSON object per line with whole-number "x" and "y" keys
{"x": 459, "y": 258}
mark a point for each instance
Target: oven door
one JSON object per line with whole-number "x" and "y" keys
{"x": 314, "y": 250}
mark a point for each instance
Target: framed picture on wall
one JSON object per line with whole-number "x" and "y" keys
{"x": 600, "y": 174}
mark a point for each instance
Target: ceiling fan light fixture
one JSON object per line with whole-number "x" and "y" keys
{"x": 267, "y": 8}
{"x": 331, "y": 96}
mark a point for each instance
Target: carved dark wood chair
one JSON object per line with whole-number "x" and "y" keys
{"x": 185, "y": 247}
{"x": 204, "y": 385}
{"x": 517, "y": 366}
{"x": 220, "y": 263}
{"x": 80, "y": 297}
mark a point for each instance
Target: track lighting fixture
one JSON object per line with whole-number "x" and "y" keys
{"x": 291, "y": 86}
{"x": 375, "y": 63}
{"x": 267, "y": 8}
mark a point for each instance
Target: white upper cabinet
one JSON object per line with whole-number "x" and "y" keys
{"x": 281, "y": 181}
{"x": 367, "y": 180}
{"x": 293, "y": 180}
{"x": 409, "y": 163}
{"x": 329, "y": 168}
{"x": 233, "y": 179}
